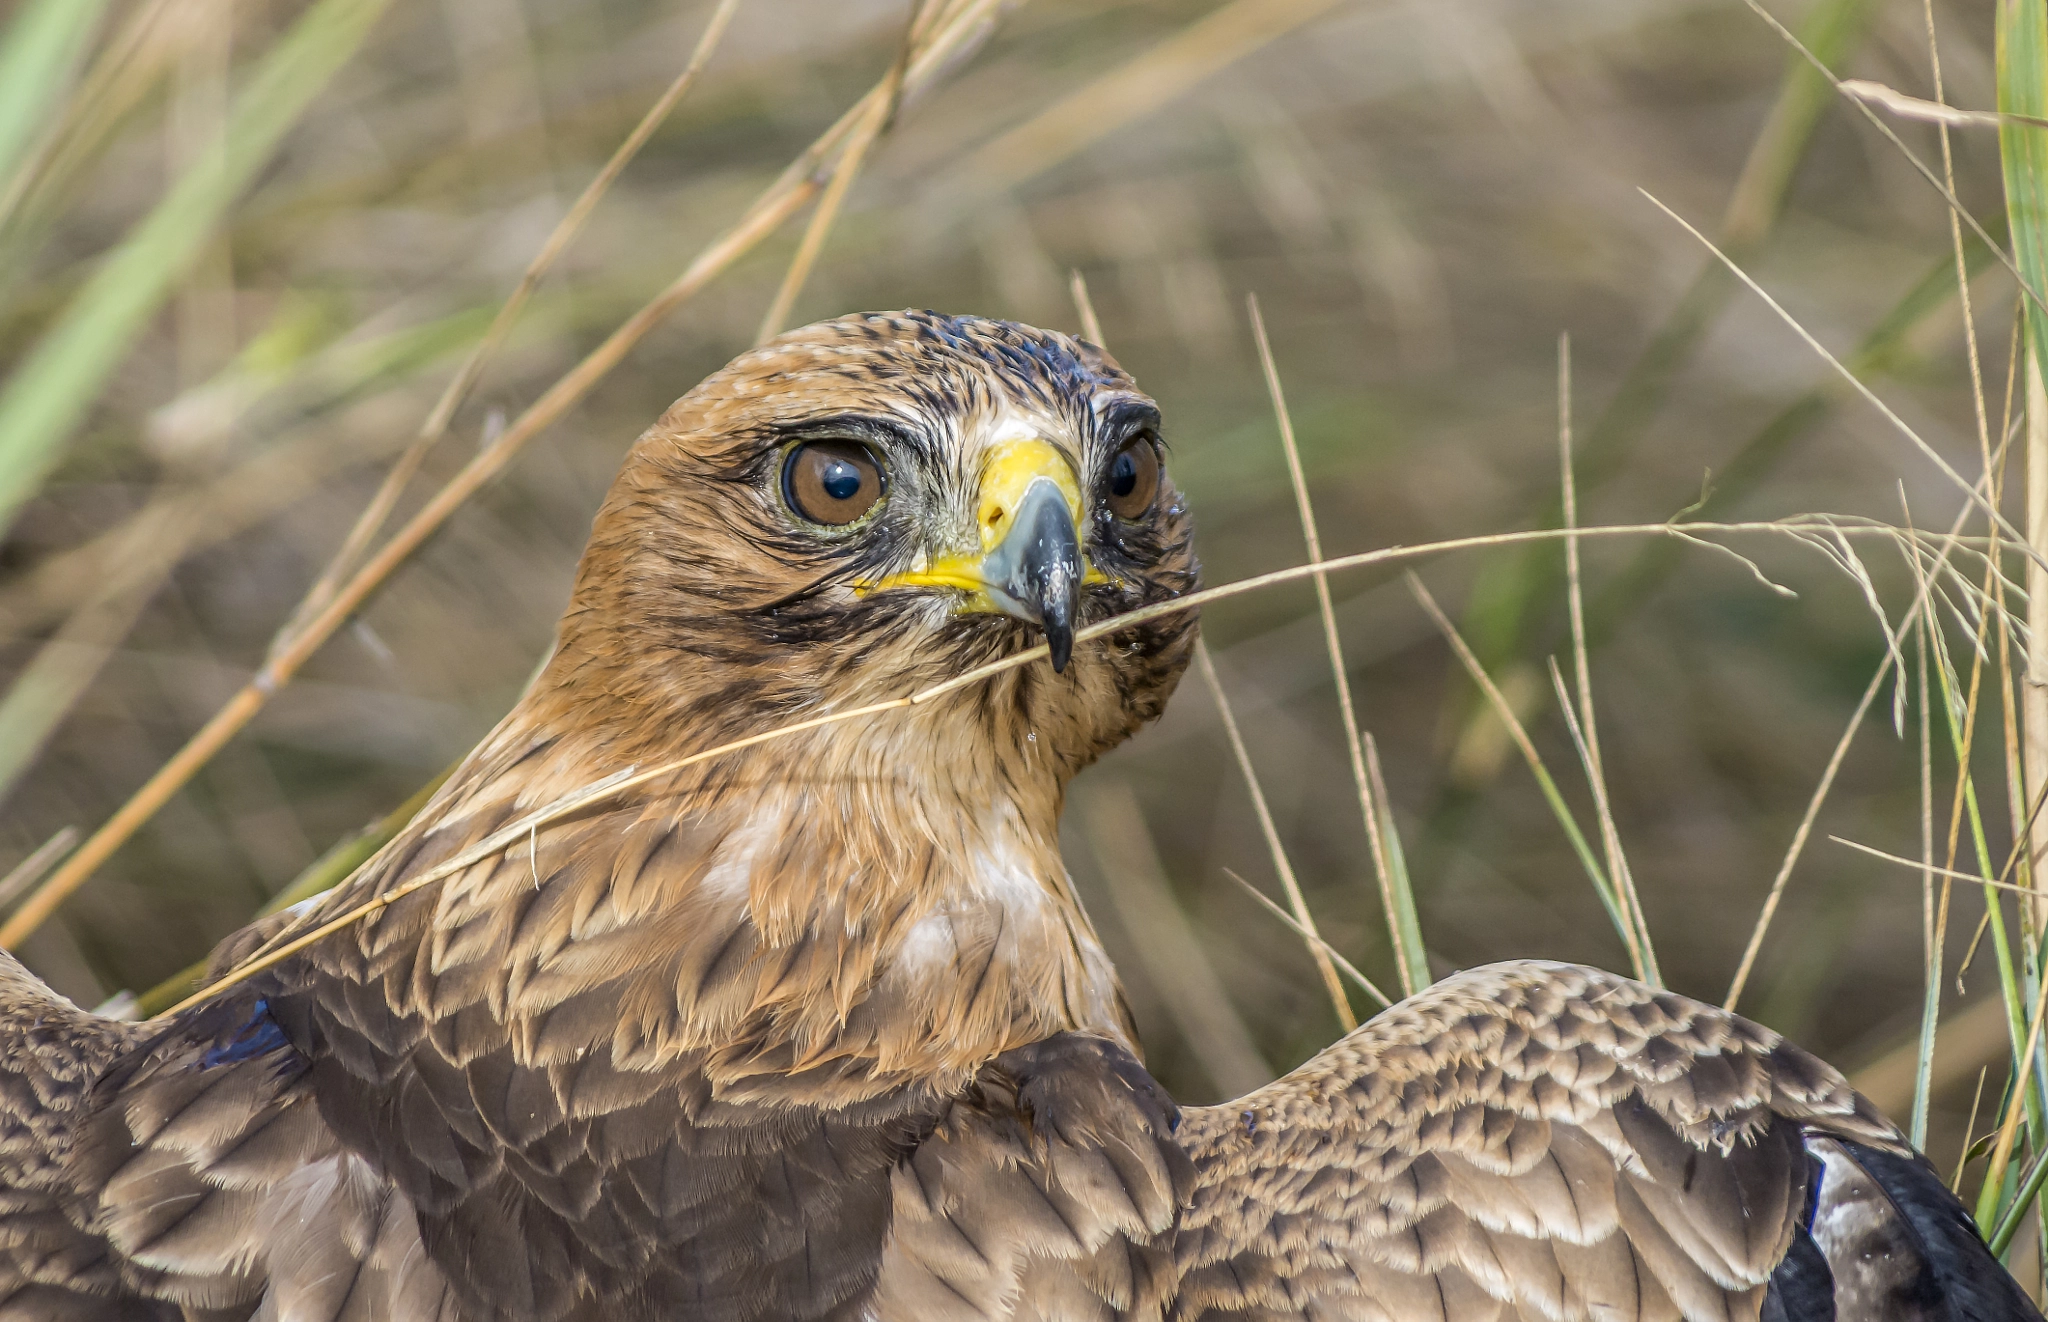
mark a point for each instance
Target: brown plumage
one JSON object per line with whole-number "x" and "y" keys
{"x": 818, "y": 1030}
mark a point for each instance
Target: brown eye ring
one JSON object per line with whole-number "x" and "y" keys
{"x": 832, "y": 483}
{"x": 1132, "y": 483}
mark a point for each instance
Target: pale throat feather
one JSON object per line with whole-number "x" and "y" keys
{"x": 973, "y": 940}
{"x": 948, "y": 831}
{"x": 917, "y": 921}
{"x": 1015, "y": 889}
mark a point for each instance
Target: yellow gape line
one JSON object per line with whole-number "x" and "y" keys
{"x": 1011, "y": 471}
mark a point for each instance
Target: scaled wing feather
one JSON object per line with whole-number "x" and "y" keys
{"x": 1526, "y": 1141}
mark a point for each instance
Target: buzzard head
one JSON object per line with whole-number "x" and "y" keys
{"x": 865, "y": 507}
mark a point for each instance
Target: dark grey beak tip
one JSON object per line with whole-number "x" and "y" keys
{"x": 1059, "y": 639}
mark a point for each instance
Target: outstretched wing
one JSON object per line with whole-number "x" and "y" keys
{"x": 1542, "y": 1141}
{"x": 150, "y": 1173}
{"x": 207, "y": 1168}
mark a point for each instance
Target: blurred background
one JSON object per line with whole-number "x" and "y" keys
{"x": 1423, "y": 194}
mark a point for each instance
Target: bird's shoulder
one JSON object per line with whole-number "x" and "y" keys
{"x": 589, "y": 1076}
{"x": 55, "y": 1053}
{"x": 1048, "y": 1189}
{"x": 204, "y": 1168}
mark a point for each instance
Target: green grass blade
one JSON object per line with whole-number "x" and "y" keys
{"x": 2000, "y": 1239}
{"x": 42, "y": 696}
{"x": 1610, "y": 898}
{"x": 37, "y": 58}
{"x": 2022, "y": 68}
{"x": 2012, "y": 985}
{"x": 1407, "y": 928}
{"x": 51, "y": 389}
{"x": 2023, "y": 151}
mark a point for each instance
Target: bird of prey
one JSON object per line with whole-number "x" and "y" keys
{"x": 817, "y": 1029}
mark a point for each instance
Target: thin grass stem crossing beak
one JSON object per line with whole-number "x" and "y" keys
{"x": 1029, "y": 564}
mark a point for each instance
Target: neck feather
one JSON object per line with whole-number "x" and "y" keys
{"x": 881, "y": 902}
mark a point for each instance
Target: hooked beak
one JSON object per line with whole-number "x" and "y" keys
{"x": 1035, "y": 572}
{"x": 1029, "y": 565}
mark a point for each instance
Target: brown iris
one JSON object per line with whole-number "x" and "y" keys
{"x": 1134, "y": 479}
{"x": 831, "y": 482}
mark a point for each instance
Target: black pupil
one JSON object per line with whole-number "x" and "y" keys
{"x": 841, "y": 479}
{"x": 1123, "y": 474}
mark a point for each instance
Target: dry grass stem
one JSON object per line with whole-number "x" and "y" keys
{"x": 1505, "y": 711}
{"x": 1756, "y": 570}
{"x": 2008, "y": 1131}
{"x": 371, "y": 521}
{"x": 1628, "y": 903}
{"x": 1271, "y": 832}
{"x": 2019, "y": 782}
{"x": 1927, "y": 580}
{"x": 2033, "y": 725}
{"x": 630, "y": 778}
{"x": 1399, "y": 909}
{"x": 1973, "y": 356}
{"x": 1345, "y": 966}
{"x": 1932, "y": 869}
{"x": 1935, "y": 914}
{"x": 1920, "y": 167}
{"x": 1932, "y": 929}
{"x": 1799, "y": 836}
{"x": 1970, "y": 490}
{"x": 1585, "y": 729}
{"x": 1820, "y": 794}
{"x": 1892, "y": 101}
{"x": 1084, "y": 308}
{"x": 1955, "y": 1185}
{"x": 288, "y": 546}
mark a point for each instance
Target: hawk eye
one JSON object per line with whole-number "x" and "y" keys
{"x": 831, "y": 482}
{"x": 1134, "y": 479}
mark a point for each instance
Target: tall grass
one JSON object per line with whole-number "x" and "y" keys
{"x": 2008, "y": 1193}
{"x": 337, "y": 556}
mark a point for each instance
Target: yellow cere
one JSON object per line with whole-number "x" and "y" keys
{"x": 1009, "y": 472}
{"x": 1007, "y": 475}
